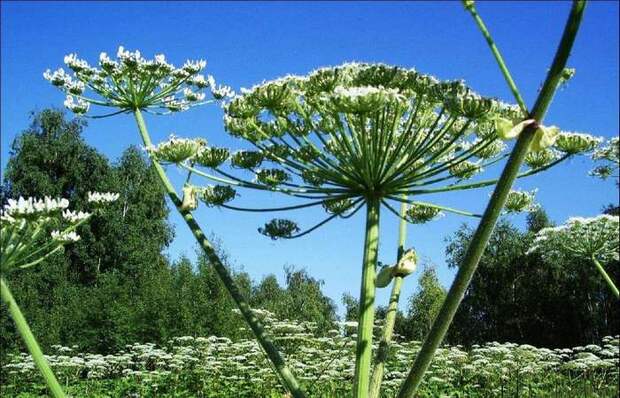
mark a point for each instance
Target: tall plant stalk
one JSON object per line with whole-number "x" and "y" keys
{"x": 285, "y": 374}
{"x": 363, "y": 352}
{"x": 498, "y": 199}
{"x": 390, "y": 317}
{"x": 30, "y": 341}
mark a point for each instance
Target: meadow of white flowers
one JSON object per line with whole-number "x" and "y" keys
{"x": 217, "y": 366}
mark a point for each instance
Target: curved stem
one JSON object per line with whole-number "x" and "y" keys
{"x": 30, "y": 340}
{"x": 489, "y": 219}
{"x": 390, "y": 318}
{"x": 287, "y": 377}
{"x": 363, "y": 352}
{"x": 610, "y": 283}
{"x": 328, "y": 219}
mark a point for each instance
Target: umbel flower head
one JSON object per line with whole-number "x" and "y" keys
{"x": 581, "y": 238}
{"x": 361, "y": 132}
{"x": 609, "y": 158}
{"x": 131, "y": 82}
{"x": 520, "y": 201}
{"x": 26, "y": 221}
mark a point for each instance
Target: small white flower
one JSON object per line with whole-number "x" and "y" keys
{"x": 193, "y": 96}
{"x": 76, "y": 105}
{"x": 98, "y": 197}
{"x": 194, "y": 66}
{"x": 74, "y": 217}
{"x": 200, "y": 81}
{"x": 66, "y": 237}
{"x": 27, "y": 206}
{"x": 57, "y": 78}
{"x": 76, "y": 64}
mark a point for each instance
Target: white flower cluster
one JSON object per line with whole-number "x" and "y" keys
{"x": 580, "y": 237}
{"x": 573, "y": 143}
{"x": 609, "y": 157}
{"x": 65, "y": 237}
{"x": 363, "y": 99}
{"x": 240, "y": 365}
{"x": 418, "y": 213}
{"x": 176, "y": 149}
{"x": 132, "y": 82}
{"x": 25, "y": 221}
{"x": 24, "y": 207}
{"x": 100, "y": 198}
{"x": 75, "y": 216}
{"x": 76, "y": 105}
{"x": 610, "y": 151}
{"x": 520, "y": 201}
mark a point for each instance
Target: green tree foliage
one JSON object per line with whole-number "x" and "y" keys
{"x": 300, "y": 299}
{"x": 424, "y": 305}
{"x": 351, "y": 307}
{"x": 519, "y": 298}
{"x": 85, "y": 295}
{"x": 115, "y": 286}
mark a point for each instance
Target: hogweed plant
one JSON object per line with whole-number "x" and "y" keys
{"x": 342, "y": 138}
{"x": 131, "y": 84}
{"x": 593, "y": 239}
{"x": 32, "y": 230}
{"x": 360, "y": 135}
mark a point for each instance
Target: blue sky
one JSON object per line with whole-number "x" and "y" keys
{"x": 245, "y": 43}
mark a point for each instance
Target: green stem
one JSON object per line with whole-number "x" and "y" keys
{"x": 40, "y": 259}
{"x": 498, "y": 199}
{"x": 390, "y": 317}
{"x": 363, "y": 353}
{"x": 498, "y": 57}
{"x": 611, "y": 284}
{"x": 30, "y": 340}
{"x": 287, "y": 377}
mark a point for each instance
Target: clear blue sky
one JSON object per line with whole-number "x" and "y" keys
{"x": 245, "y": 43}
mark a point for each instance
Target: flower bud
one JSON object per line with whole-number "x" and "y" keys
{"x": 574, "y": 143}
{"x": 420, "y": 214}
{"x": 246, "y": 159}
{"x": 544, "y": 137}
{"x": 337, "y": 206}
{"x": 506, "y": 130}
{"x": 279, "y": 228}
{"x": 190, "y": 200}
{"x": 217, "y": 195}
{"x": 520, "y": 201}
{"x": 384, "y": 277}
{"x": 541, "y": 158}
{"x": 211, "y": 157}
{"x": 469, "y": 4}
{"x": 272, "y": 177}
{"x": 465, "y": 169}
{"x": 407, "y": 264}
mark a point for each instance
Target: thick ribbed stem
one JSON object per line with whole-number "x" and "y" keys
{"x": 390, "y": 317}
{"x": 287, "y": 377}
{"x": 498, "y": 199}
{"x": 30, "y": 340}
{"x": 606, "y": 276}
{"x": 363, "y": 353}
